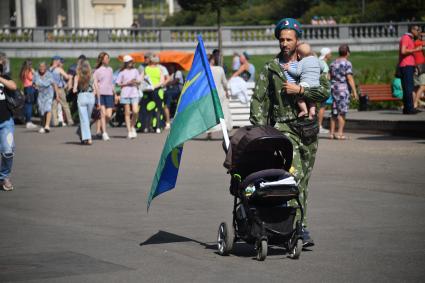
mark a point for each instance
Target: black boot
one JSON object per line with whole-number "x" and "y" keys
{"x": 307, "y": 239}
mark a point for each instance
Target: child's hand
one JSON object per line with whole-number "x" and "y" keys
{"x": 286, "y": 67}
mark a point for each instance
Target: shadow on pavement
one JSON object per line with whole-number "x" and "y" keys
{"x": 73, "y": 142}
{"x": 385, "y": 138}
{"x": 163, "y": 237}
{"x": 240, "y": 249}
{"x": 205, "y": 139}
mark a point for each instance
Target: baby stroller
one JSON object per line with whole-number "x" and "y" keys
{"x": 258, "y": 161}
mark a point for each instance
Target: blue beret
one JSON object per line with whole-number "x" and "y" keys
{"x": 57, "y": 57}
{"x": 288, "y": 23}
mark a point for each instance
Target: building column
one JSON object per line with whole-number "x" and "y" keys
{"x": 29, "y": 17}
{"x": 4, "y": 13}
{"x": 18, "y": 8}
{"x": 171, "y": 7}
{"x": 71, "y": 13}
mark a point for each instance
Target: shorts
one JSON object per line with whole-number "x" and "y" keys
{"x": 107, "y": 101}
{"x": 129, "y": 100}
{"x": 419, "y": 80}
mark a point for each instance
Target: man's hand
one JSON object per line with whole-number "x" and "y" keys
{"x": 292, "y": 89}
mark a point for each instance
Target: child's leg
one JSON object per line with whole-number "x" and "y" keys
{"x": 303, "y": 108}
{"x": 312, "y": 111}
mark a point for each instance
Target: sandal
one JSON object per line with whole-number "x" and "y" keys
{"x": 341, "y": 138}
{"x": 332, "y": 137}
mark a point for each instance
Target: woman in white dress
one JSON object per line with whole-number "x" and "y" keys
{"x": 221, "y": 85}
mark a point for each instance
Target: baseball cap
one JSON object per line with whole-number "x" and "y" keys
{"x": 323, "y": 52}
{"x": 127, "y": 58}
{"x": 154, "y": 59}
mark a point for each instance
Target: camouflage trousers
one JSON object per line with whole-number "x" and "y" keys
{"x": 304, "y": 156}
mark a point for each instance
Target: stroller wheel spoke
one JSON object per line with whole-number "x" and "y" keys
{"x": 224, "y": 239}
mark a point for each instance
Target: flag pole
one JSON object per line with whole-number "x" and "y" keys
{"x": 209, "y": 75}
{"x": 225, "y": 134}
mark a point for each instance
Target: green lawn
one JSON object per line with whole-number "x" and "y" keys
{"x": 369, "y": 67}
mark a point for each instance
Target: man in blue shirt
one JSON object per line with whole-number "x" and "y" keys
{"x": 60, "y": 77}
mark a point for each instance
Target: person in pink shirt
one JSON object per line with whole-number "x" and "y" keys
{"x": 407, "y": 67}
{"x": 419, "y": 77}
{"x": 26, "y": 76}
{"x": 128, "y": 79}
{"x": 103, "y": 77}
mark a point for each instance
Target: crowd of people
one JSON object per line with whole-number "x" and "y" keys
{"x": 94, "y": 94}
{"x": 322, "y": 21}
{"x": 146, "y": 95}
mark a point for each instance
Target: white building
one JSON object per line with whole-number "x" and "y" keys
{"x": 66, "y": 13}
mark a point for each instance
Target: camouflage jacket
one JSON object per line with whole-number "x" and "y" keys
{"x": 271, "y": 103}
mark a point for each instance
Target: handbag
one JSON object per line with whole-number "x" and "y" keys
{"x": 95, "y": 114}
{"x": 306, "y": 129}
{"x": 421, "y": 69}
{"x": 15, "y": 100}
{"x": 146, "y": 85}
{"x": 330, "y": 100}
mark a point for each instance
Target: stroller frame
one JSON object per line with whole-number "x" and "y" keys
{"x": 248, "y": 224}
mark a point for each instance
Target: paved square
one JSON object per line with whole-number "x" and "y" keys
{"x": 87, "y": 206}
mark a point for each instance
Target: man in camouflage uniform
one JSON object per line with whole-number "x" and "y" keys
{"x": 275, "y": 103}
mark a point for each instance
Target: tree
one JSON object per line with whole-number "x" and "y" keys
{"x": 210, "y": 5}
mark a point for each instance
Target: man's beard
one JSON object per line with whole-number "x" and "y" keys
{"x": 288, "y": 53}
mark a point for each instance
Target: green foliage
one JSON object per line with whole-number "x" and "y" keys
{"x": 350, "y": 11}
{"x": 369, "y": 67}
{"x": 237, "y": 12}
{"x": 212, "y": 5}
{"x": 254, "y": 12}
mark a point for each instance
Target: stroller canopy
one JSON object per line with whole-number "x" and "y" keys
{"x": 254, "y": 148}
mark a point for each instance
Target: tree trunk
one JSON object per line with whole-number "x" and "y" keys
{"x": 220, "y": 43}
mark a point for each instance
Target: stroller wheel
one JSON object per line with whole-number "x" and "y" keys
{"x": 261, "y": 250}
{"x": 296, "y": 249}
{"x": 225, "y": 239}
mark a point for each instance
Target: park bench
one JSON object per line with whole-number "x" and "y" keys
{"x": 378, "y": 92}
{"x": 240, "y": 111}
